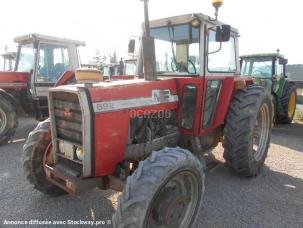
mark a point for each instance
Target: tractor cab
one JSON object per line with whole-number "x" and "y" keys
{"x": 130, "y": 66}
{"x": 41, "y": 62}
{"x": 266, "y": 69}
{"x": 124, "y": 70}
{"x": 8, "y": 61}
{"x": 190, "y": 46}
{"x": 45, "y": 58}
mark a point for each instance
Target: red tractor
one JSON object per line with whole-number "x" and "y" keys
{"x": 145, "y": 137}
{"x": 40, "y": 62}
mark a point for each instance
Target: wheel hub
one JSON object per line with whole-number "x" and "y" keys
{"x": 292, "y": 105}
{"x": 260, "y": 134}
{"x": 170, "y": 207}
{"x": 175, "y": 211}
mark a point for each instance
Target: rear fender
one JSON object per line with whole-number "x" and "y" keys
{"x": 12, "y": 100}
{"x": 14, "y": 80}
{"x": 280, "y": 88}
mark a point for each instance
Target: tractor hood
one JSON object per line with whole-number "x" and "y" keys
{"x": 125, "y": 94}
{"x": 13, "y": 80}
{"x": 110, "y": 105}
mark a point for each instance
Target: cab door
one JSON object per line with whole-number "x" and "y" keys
{"x": 53, "y": 60}
{"x": 221, "y": 67}
{"x": 190, "y": 92}
{"x": 279, "y": 74}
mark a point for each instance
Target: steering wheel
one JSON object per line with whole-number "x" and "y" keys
{"x": 256, "y": 71}
{"x": 175, "y": 66}
{"x": 194, "y": 67}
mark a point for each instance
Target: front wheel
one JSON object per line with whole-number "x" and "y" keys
{"x": 165, "y": 191}
{"x": 37, "y": 152}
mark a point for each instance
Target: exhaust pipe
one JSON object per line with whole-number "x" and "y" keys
{"x": 148, "y": 48}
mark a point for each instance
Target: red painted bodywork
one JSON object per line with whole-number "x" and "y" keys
{"x": 111, "y": 138}
{"x": 7, "y": 78}
{"x": 67, "y": 75}
{"x": 111, "y": 128}
{"x": 122, "y": 77}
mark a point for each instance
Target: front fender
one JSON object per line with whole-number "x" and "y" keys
{"x": 68, "y": 77}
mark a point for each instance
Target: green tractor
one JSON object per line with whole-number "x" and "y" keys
{"x": 268, "y": 70}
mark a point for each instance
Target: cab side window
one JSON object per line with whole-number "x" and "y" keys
{"x": 279, "y": 69}
{"x": 221, "y": 57}
{"x": 53, "y": 62}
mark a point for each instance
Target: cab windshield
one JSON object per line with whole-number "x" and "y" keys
{"x": 177, "y": 49}
{"x": 26, "y": 58}
{"x": 257, "y": 67}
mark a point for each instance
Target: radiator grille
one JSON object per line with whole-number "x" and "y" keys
{"x": 68, "y": 117}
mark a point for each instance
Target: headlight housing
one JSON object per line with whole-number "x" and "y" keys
{"x": 79, "y": 153}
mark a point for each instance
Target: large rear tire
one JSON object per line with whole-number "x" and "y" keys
{"x": 8, "y": 120}
{"x": 37, "y": 152}
{"x": 288, "y": 102}
{"x": 165, "y": 191}
{"x": 248, "y": 129}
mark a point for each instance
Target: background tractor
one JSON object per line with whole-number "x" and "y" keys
{"x": 8, "y": 60}
{"x": 40, "y": 63}
{"x": 145, "y": 137}
{"x": 124, "y": 70}
{"x": 268, "y": 70}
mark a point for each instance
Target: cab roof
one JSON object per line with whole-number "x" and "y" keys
{"x": 263, "y": 55}
{"x": 30, "y": 38}
{"x": 183, "y": 19}
{"x": 9, "y": 55}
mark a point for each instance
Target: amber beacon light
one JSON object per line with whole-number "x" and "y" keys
{"x": 217, "y": 4}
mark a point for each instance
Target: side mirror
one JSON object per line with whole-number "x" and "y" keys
{"x": 223, "y": 33}
{"x": 131, "y": 46}
{"x": 283, "y": 61}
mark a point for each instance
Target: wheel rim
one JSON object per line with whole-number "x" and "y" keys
{"x": 48, "y": 157}
{"x": 292, "y": 104}
{"x": 261, "y": 132}
{"x": 3, "y": 121}
{"x": 175, "y": 203}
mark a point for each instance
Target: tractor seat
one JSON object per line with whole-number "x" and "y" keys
{"x": 59, "y": 69}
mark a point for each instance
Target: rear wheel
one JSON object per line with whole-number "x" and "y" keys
{"x": 288, "y": 102}
{"x": 8, "y": 120}
{"x": 38, "y": 152}
{"x": 248, "y": 130}
{"x": 165, "y": 191}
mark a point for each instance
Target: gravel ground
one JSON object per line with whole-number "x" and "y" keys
{"x": 273, "y": 199}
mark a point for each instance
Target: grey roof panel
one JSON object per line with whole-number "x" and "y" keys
{"x": 34, "y": 36}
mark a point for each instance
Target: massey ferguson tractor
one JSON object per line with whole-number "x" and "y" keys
{"x": 40, "y": 63}
{"x": 145, "y": 137}
{"x": 268, "y": 70}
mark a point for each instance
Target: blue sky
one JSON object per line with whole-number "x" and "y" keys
{"x": 264, "y": 25}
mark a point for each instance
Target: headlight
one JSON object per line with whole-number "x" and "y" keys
{"x": 61, "y": 147}
{"x": 79, "y": 153}
{"x": 67, "y": 149}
